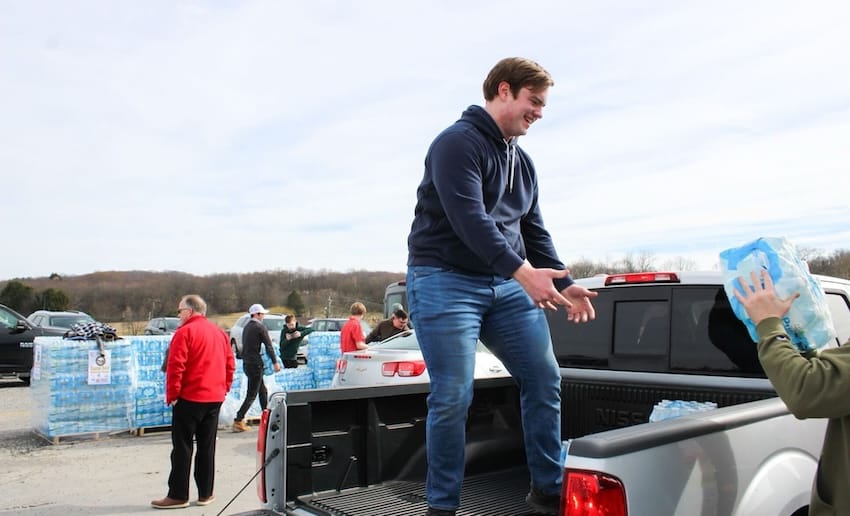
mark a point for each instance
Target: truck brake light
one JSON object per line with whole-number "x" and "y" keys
{"x": 261, "y": 454}
{"x": 341, "y": 365}
{"x": 406, "y": 369}
{"x": 642, "y": 277}
{"x": 589, "y": 493}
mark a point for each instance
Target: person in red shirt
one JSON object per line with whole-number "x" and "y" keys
{"x": 198, "y": 376}
{"x": 351, "y": 337}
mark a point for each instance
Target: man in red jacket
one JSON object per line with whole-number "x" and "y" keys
{"x": 198, "y": 377}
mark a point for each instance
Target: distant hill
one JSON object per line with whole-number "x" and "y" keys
{"x": 137, "y": 295}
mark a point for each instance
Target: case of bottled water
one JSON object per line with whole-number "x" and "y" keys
{"x": 809, "y": 321}
{"x": 669, "y": 409}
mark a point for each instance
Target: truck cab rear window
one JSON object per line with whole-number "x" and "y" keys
{"x": 662, "y": 328}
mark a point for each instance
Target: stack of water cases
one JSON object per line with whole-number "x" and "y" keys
{"x": 66, "y": 402}
{"x": 323, "y": 352}
{"x": 285, "y": 379}
{"x": 149, "y": 394}
{"x": 294, "y": 379}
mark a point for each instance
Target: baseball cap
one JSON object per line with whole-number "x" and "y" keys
{"x": 257, "y": 308}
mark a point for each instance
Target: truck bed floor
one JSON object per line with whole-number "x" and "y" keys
{"x": 494, "y": 494}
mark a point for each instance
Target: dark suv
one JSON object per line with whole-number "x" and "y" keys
{"x": 16, "y": 341}
{"x": 58, "y": 320}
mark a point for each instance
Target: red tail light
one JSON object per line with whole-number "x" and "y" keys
{"x": 261, "y": 453}
{"x": 588, "y": 493}
{"x": 642, "y": 277}
{"x": 341, "y": 365}
{"x": 407, "y": 368}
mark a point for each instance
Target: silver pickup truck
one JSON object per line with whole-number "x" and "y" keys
{"x": 360, "y": 451}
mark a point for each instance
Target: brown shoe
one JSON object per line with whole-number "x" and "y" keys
{"x": 169, "y": 503}
{"x": 240, "y": 426}
{"x": 206, "y": 501}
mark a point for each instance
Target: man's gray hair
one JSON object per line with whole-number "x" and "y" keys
{"x": 196, "y": 303}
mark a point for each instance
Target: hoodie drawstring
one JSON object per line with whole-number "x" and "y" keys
{"x": 510, "y": 155}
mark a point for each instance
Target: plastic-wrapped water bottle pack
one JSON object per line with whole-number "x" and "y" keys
{"x": 669, "y": 409}
{"x": 808, "y": 322}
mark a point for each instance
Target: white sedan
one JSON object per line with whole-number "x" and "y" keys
{"x": 273, "y": 322}
{"x": 398, "y": 360}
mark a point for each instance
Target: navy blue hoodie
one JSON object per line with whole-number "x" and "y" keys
{"x": 476, "y": 207}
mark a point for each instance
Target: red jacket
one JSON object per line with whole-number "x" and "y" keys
{"x": 351, "y": 334}
{"x": 200, "y": 362}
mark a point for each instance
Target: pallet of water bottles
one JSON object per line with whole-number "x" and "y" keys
{"x": 81, "y": 387}
{"x": 86, "y": 387}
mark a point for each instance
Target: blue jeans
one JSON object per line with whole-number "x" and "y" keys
{"x": 451, "y": 311}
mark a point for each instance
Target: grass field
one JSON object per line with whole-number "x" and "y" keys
{"x": 225, "y": 321}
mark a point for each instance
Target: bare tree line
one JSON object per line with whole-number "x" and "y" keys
{"x": 139, "y": 295}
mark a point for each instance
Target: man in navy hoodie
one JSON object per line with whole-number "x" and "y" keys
{"x": 481, "y": 264}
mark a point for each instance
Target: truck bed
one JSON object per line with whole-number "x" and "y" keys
{"x": 495, "y": 494}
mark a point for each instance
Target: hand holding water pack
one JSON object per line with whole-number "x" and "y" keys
{"x": 808, "y": 322}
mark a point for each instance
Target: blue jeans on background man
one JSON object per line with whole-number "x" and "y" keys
{"x": 450, "y": 311}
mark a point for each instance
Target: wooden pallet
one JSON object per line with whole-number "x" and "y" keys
{"x": 142, "y": 430}
{"x": 85, "y": 436}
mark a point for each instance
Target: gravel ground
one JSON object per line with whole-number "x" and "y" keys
{"x": 115, "y": 474}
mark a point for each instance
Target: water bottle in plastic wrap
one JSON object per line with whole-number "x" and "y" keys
{"x": 808, "y": 322}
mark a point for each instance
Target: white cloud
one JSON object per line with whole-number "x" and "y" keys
{"x": 261, "y": 135}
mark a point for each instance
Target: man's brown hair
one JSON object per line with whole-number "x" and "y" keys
{"x": 358, "y": 308}
{"x": 520, "y": 73}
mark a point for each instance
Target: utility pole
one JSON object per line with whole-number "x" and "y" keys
{"x": 328, "y": 308}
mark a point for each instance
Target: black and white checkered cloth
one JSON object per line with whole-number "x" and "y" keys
{"x": 90, "y": 331}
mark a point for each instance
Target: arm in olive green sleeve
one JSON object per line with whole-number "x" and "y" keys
{"x": 814, "y": 385}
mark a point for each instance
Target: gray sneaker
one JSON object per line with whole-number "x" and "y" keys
{"x": 543, "y": 503}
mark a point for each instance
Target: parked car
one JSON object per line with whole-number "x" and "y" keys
{"x": 56, "y": 320}
{"x": 335, "y": 324}
{"x": 329, "y": 324}
{"x": 162, "y": 326}
{"x": 398, "y": 360}
{"x": 274, "y": 323}
{"x": 16, "y": 341}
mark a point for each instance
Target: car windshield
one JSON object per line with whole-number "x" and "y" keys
{"x": 274, "y": 324}
{"x": 66, "y": 321}
{"x": 172, "y": 324}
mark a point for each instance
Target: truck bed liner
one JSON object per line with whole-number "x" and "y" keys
{"x": 493, "y": 494}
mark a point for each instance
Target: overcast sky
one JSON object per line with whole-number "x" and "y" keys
{"x": 231, "y": 136}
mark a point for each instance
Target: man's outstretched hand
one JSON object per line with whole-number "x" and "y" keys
{"x": 579, "y": 309}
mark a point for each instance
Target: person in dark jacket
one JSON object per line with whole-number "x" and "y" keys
{"x": 811, "y": 385}
{"x": 291, "y": 337}
{"x": 254, "y": 335}
{"x": 389, "y": 327}
{"x": 481, "y": 264}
